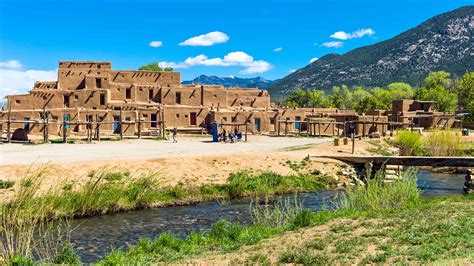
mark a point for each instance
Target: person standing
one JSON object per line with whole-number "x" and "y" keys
{"x": 175, "y": 132}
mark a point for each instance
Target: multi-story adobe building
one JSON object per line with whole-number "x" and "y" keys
{"x": 131, "y": 101}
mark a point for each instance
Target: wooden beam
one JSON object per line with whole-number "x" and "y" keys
{"x": 406, "y": 160}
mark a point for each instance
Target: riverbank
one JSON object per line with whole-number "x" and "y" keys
{"x": 381, "y": 230}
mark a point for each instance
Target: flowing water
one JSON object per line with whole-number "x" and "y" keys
{"x": 95, "y": 236}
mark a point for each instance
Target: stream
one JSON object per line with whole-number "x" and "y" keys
{"x": 96, "y": 236}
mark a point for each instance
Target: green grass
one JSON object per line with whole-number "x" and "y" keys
{"x": 409, "y": 143}
{"x": 443, "y": 143}
{"x": 379, "y": 148}
{"x": 112, "y": 191}
{"x": 378, "y": 195}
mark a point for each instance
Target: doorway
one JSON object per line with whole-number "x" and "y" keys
{"x": 193, "y": 119}
{"x": 297, "y": 122}
{"x": 116, "y": 124}
{"x": 256, "y": 124}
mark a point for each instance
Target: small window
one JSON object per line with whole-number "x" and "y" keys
{"x": 272, "y": 121}
{"x": 128, "y": 93}
{"x": 102, "y": 99}
{"x": 150, "y": 95}
{"x": 234, "y": 119}
{"x": 225, "y": 119}
{"x": 178, "y": 98}
{"x": 98, "y": 83}
{"x": 17, "y": 101}
{"x": 76, "y": 97}
{"x": 177, "y": 115}
{"x": 66, "y": 100}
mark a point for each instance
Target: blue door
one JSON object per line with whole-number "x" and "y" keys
{"x": 67, "y": 118}
{"x": 256, "y": 124}
{"x": 297, "y": 122}
{"x": 116, "y": 124}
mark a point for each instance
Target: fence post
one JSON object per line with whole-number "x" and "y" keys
{"x": 139, "y": 126}
{"x": 246, "y": 128}
{"x": 64, "y": 129}
{"x": 9, "y": 136}
{"x": 120, "y": 124}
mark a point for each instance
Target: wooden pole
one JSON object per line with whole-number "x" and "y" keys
{"x": 278, "y": 128}
{"x": 286, "y": 127}
{"x": 307, "y": 128}
{"x": 139, "y": 126}
{"x": 319, "y": 129}
{"x": 64, "y": 129}
{"x": 353, "y": 142}
{"x": 47, "y": 126}
{"x": 97, "y": 136}
{"x": 120, "y": 124}
{"x": 246, "y": 128}
{"x": 9, "y": 122}
{"x": 163, "y": 126}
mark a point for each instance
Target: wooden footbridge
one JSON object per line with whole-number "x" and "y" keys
{"x": 405, "y": 160}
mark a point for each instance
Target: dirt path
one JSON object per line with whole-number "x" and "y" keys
{"x": 191, "y": 161}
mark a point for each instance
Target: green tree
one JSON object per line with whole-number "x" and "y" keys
{"x": 154, "y": 66}
{"x": 435, "y": 89}
{"x": 366, "y": 104}
{"x": 383, "y": 98}
{"x": 318, "y": 98}
{"x": 465, "y": 91}
{"x": 401, "y": 90}
{"x": 298, "y": 97}
{"x": 341, "y": 97}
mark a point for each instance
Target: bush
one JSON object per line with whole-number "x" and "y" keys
{"x": 443, "y": 143}
{"x": 6, "y": 184}
{"x": 378, "y": 195}
{"x": 67, "y": 256}
{"x": 409, "y": 143}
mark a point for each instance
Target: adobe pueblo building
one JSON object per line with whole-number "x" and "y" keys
{"x": 90, "y": 98}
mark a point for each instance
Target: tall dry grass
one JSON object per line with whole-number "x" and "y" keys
{"x": 443, "y": 143}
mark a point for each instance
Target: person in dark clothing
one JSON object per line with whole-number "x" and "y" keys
{"x": 224, "y": 135}
{"x": 468, "y": 188}
{"x": 175, "y": 132}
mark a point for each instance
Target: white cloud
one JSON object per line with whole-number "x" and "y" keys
{"x": 12, "y": 64}
{"x": 16, "y": 81}
{"x": 333, "y": 44}
{"x": 313, "y": 59}
{"x": 277, "y": 49}
{"x": 342, "y": 35}
{"x": 293, "y": 70}
{"x": 156, "y": 43}
{"x": 207, "y": 39}
{"x": 237, "y": 58}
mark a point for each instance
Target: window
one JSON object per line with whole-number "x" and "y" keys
{"x": 178, "y": 98}
{"x": 102, "y": 99}
{"x": 98, "y": 83}
{"x": 177, "y": 115}
{"x": 272, "y": 121}
{"x": 128, "y": 93}
{"x": 17, "y": 101}
{"x": 150, "y": 95}
{"x": 66, "y": 100}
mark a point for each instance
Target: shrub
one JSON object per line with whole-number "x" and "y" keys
{"x": 409, "y": 143}
{"x": 67, "y": 256}
{"x": 443, "y": 143}
{"x": 6, "y": 184}
{"x": 378, "y": 195}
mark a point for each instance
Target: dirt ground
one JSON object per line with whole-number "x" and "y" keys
{"x": 192, "y": 161}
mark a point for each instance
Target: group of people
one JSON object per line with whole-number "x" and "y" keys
{"x": 233, "y": 135}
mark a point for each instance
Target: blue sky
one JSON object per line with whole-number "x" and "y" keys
{"x": 35, "y": 35}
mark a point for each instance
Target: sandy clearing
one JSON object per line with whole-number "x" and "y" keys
{"x": 187, "y": 163}
{"x": 140, "y": 149}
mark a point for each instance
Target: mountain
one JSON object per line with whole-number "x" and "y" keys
{"x": 444, "y": 42}
{"x": 231, "y": 81}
